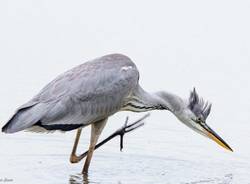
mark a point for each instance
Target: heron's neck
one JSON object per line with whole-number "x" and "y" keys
{"x": 143, "y": 101}
{"x": 171, "y": 101}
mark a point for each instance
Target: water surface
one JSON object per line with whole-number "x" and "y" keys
{"x": 156, "y": 153}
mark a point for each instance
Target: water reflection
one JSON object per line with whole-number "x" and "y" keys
{"x": 84, "y": 179}
{"x": 79, "y": 179}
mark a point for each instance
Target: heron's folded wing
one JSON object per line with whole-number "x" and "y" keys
{"x": 89, "y": 92}
{"x": 89, "y": 99}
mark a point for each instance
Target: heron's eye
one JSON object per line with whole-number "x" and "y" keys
{"x": 198, "y": 120}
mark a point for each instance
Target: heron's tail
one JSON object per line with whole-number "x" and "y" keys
{"x": 24, "y": 118}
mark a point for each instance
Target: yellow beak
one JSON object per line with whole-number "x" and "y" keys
{"x": 215, "y": 137}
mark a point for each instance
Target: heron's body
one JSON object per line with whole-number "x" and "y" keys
{"x": 83, "y": 95}
{"x": 91, "y": 92}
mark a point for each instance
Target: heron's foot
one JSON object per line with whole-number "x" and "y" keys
{"x": 120, "y": 132}
{"x": 75, "y": 159}
{"x": 128, "y": 128}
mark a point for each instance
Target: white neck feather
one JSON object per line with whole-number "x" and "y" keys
{"x": 141, "y": 101}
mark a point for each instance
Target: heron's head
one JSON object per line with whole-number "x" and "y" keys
{"x": 194, "y": 115}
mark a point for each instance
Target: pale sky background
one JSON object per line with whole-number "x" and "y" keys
{"x": 175, "y": 44}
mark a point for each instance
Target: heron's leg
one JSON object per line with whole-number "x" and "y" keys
{"x": 96, "y": 130}
{"x": 73, "y": 157}
{"x": 120, "y": 132}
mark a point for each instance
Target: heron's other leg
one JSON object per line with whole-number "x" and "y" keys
{"x": 120, "y": 132}
{"x": 96, "y": 130}
{"x": 73, "y": 157}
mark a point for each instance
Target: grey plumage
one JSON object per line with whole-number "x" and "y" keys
{"x": 93, "y": 91}
{"x": 198, "y": 106}
{"x": 82, "y": 95}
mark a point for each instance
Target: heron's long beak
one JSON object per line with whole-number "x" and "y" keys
{"x": 215, "y": 137}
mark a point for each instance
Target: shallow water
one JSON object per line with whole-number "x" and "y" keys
{"x": 175, "y": 45}
{"x": 156, "y": 153}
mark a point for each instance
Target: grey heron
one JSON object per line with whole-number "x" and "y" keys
{"x": 95, "y": 90}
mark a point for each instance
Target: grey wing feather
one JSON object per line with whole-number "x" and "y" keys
{"x": 82, "y": 95}
{"x": 24, "y": 118}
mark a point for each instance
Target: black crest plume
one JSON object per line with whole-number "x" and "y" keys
{"x": 198, "y": 106}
